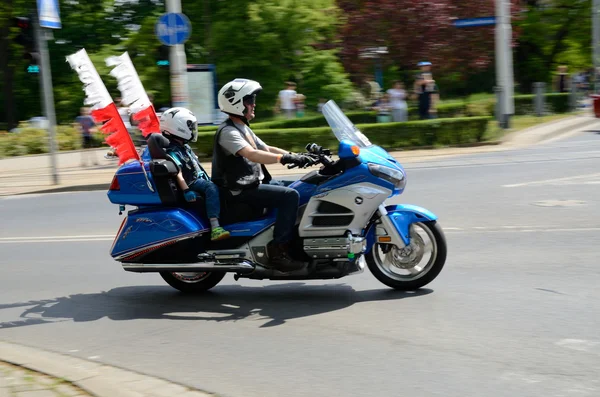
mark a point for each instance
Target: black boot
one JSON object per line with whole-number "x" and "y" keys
{"x": 280, "y": 259}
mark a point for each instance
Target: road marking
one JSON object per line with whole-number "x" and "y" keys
{"x": 555, "y": 180}
{"x": 581, "y": 345}
{"x": 56, "y": 239}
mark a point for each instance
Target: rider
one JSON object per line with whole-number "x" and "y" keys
{"x": 179, "y": 126}
{"x": 238, "y": 165}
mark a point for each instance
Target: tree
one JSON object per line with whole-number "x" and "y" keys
{"x": 552, "y": 32}
{"x": 415, "y": 31}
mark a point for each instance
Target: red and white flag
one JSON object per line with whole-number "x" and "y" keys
{"x": 133, "y": 93}
{"x": 103, "y": 108}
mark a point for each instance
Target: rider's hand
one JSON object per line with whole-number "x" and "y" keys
{"x": 298, "y": 159}
{"x": 189, "y": 195}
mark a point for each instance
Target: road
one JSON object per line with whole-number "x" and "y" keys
{"x": 513, "y": 313}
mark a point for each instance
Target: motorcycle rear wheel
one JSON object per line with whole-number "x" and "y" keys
{"x": 387, "y": 261}
{"x": 192, "y": 283}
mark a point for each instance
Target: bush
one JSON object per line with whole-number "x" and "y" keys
{"x": 388, "y": 135}
{"x": 35, "y": 141}
{"x": 68, "y": 137}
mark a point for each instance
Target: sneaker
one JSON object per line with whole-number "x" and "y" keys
{"x": 219, "y": 233}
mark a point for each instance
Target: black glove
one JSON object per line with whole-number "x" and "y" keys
{"x": 298, "y": 159}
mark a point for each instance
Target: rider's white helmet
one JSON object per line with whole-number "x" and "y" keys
{"x": 231, "y": 96}
{"x": 181, "y": 123}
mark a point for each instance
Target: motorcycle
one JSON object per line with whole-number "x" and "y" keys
{"x": 343, "y": 223}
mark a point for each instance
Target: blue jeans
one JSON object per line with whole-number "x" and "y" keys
{"x": 284, "y": 199}
{"x": 211, "y": 196}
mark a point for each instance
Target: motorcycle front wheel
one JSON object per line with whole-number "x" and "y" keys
{"x": 192, "y": 282}
{"x": 414, "y": 266}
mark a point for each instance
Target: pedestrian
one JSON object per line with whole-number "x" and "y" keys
{"x": 426, "y": 91}
{"x": 285, "y": 100}
{"x": 397, "y": 101}
{"x": 86, "y": 125}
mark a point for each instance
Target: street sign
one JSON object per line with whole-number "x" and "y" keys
{"x": 173, "y": 28}
{"x": 48, "y": 14}
{"x": 468, "y": 22}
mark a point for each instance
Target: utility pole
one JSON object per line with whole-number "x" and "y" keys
{"x": 178, "y": 65}
{"x": 504, "y": 61}
{"x": 596, "y": 41}
{"x": 42, "y": 35}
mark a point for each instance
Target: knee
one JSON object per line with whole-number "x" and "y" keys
{"x": 291, "y": 196}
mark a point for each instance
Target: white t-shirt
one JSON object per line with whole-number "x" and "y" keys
{"x": 286, "y": 99}
{"x": 397, "y": 98}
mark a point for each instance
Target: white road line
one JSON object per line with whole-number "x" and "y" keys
{"x": 545, "y": 181}
{"x": 67, "y": 240}
{"x": 58, "y": 237}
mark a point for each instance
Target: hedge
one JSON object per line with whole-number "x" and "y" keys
{"x": 35, "y": 141}
{"x": 387, "y": 135}
{"x": 555, "y": 103}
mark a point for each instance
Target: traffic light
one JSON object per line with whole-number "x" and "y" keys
{"x": 163, "y": 56}
{"x": 26, "y": 39}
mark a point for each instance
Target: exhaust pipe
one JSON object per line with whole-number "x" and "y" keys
{"x": 240, "y": 267}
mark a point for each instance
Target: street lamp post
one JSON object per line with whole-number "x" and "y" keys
{"x": 178, "y": 65}
{"x": 504, "y": 61}
{"x": 596, "y": 41}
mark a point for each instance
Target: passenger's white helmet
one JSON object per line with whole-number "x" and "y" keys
{"x": 231, "y": 96}
{"x": 179, "y": 122}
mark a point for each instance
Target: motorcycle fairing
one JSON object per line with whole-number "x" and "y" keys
{"x": 400, "y": 216}
{"x": 154, "y": 226}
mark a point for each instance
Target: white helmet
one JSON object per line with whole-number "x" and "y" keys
{"x": 181, "y": 123}
{"x": 231, "y": 96}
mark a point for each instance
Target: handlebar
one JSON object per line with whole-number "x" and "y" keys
{"x": 318, "y": 154}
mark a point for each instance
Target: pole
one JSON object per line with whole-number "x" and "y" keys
{"x": 596, "y": 41}
{"x": 41, "y": 36}
{"x": 504, "y": 61}
{"x": 178, "y": 66}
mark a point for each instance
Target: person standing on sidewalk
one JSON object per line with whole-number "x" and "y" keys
{"x": 426, "y": 91}
{"x": 397, "y": 97}
{"x": 285, "y": 101}
{"x": 87, "y": 127}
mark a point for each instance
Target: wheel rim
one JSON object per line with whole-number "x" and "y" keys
{"x": 406, "y": 264}
{"x": 191, "y": 278}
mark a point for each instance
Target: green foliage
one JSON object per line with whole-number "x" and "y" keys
{"x": 555, "y": 103}
{"x": 388, "y": 135}
{"x": 35, "y": 141}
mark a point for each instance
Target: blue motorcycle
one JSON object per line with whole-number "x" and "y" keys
{"x": 343, "y": 223}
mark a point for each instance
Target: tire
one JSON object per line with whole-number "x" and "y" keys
{"x": 412, "y": 282}
{"x": 192, "y": 284}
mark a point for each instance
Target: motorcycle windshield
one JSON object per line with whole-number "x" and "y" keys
{"x": 341, "y": 125}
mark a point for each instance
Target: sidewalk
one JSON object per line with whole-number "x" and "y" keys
{"x": 17, "y": 381}
{"x": 28, "y": 372}
{"x": 32, "y": 174}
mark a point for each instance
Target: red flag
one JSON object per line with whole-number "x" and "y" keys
{"x": 103, "y": 107}
{"x": 149, "y": 122}
{"x": 118, "y": 136}
{"x": 133, "y": 93}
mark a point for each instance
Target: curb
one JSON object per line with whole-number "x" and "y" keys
{"x": 97, "y": 379}
{"x": 563, "y": 126}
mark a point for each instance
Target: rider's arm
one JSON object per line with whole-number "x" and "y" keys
{"x": 276, "y": 150}
{"x": 259, "y": 156}
{"x": 181, "y": 182}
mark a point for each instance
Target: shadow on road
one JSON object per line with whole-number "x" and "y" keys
{"x": 274, "y": 304}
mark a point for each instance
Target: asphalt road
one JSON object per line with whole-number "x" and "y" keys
{"x": 514, "y": 312}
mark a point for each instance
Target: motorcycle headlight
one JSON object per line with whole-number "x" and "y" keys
{"x": 394, "y": 176}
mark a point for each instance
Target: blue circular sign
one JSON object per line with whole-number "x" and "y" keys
{"x": 173, "y": 28}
